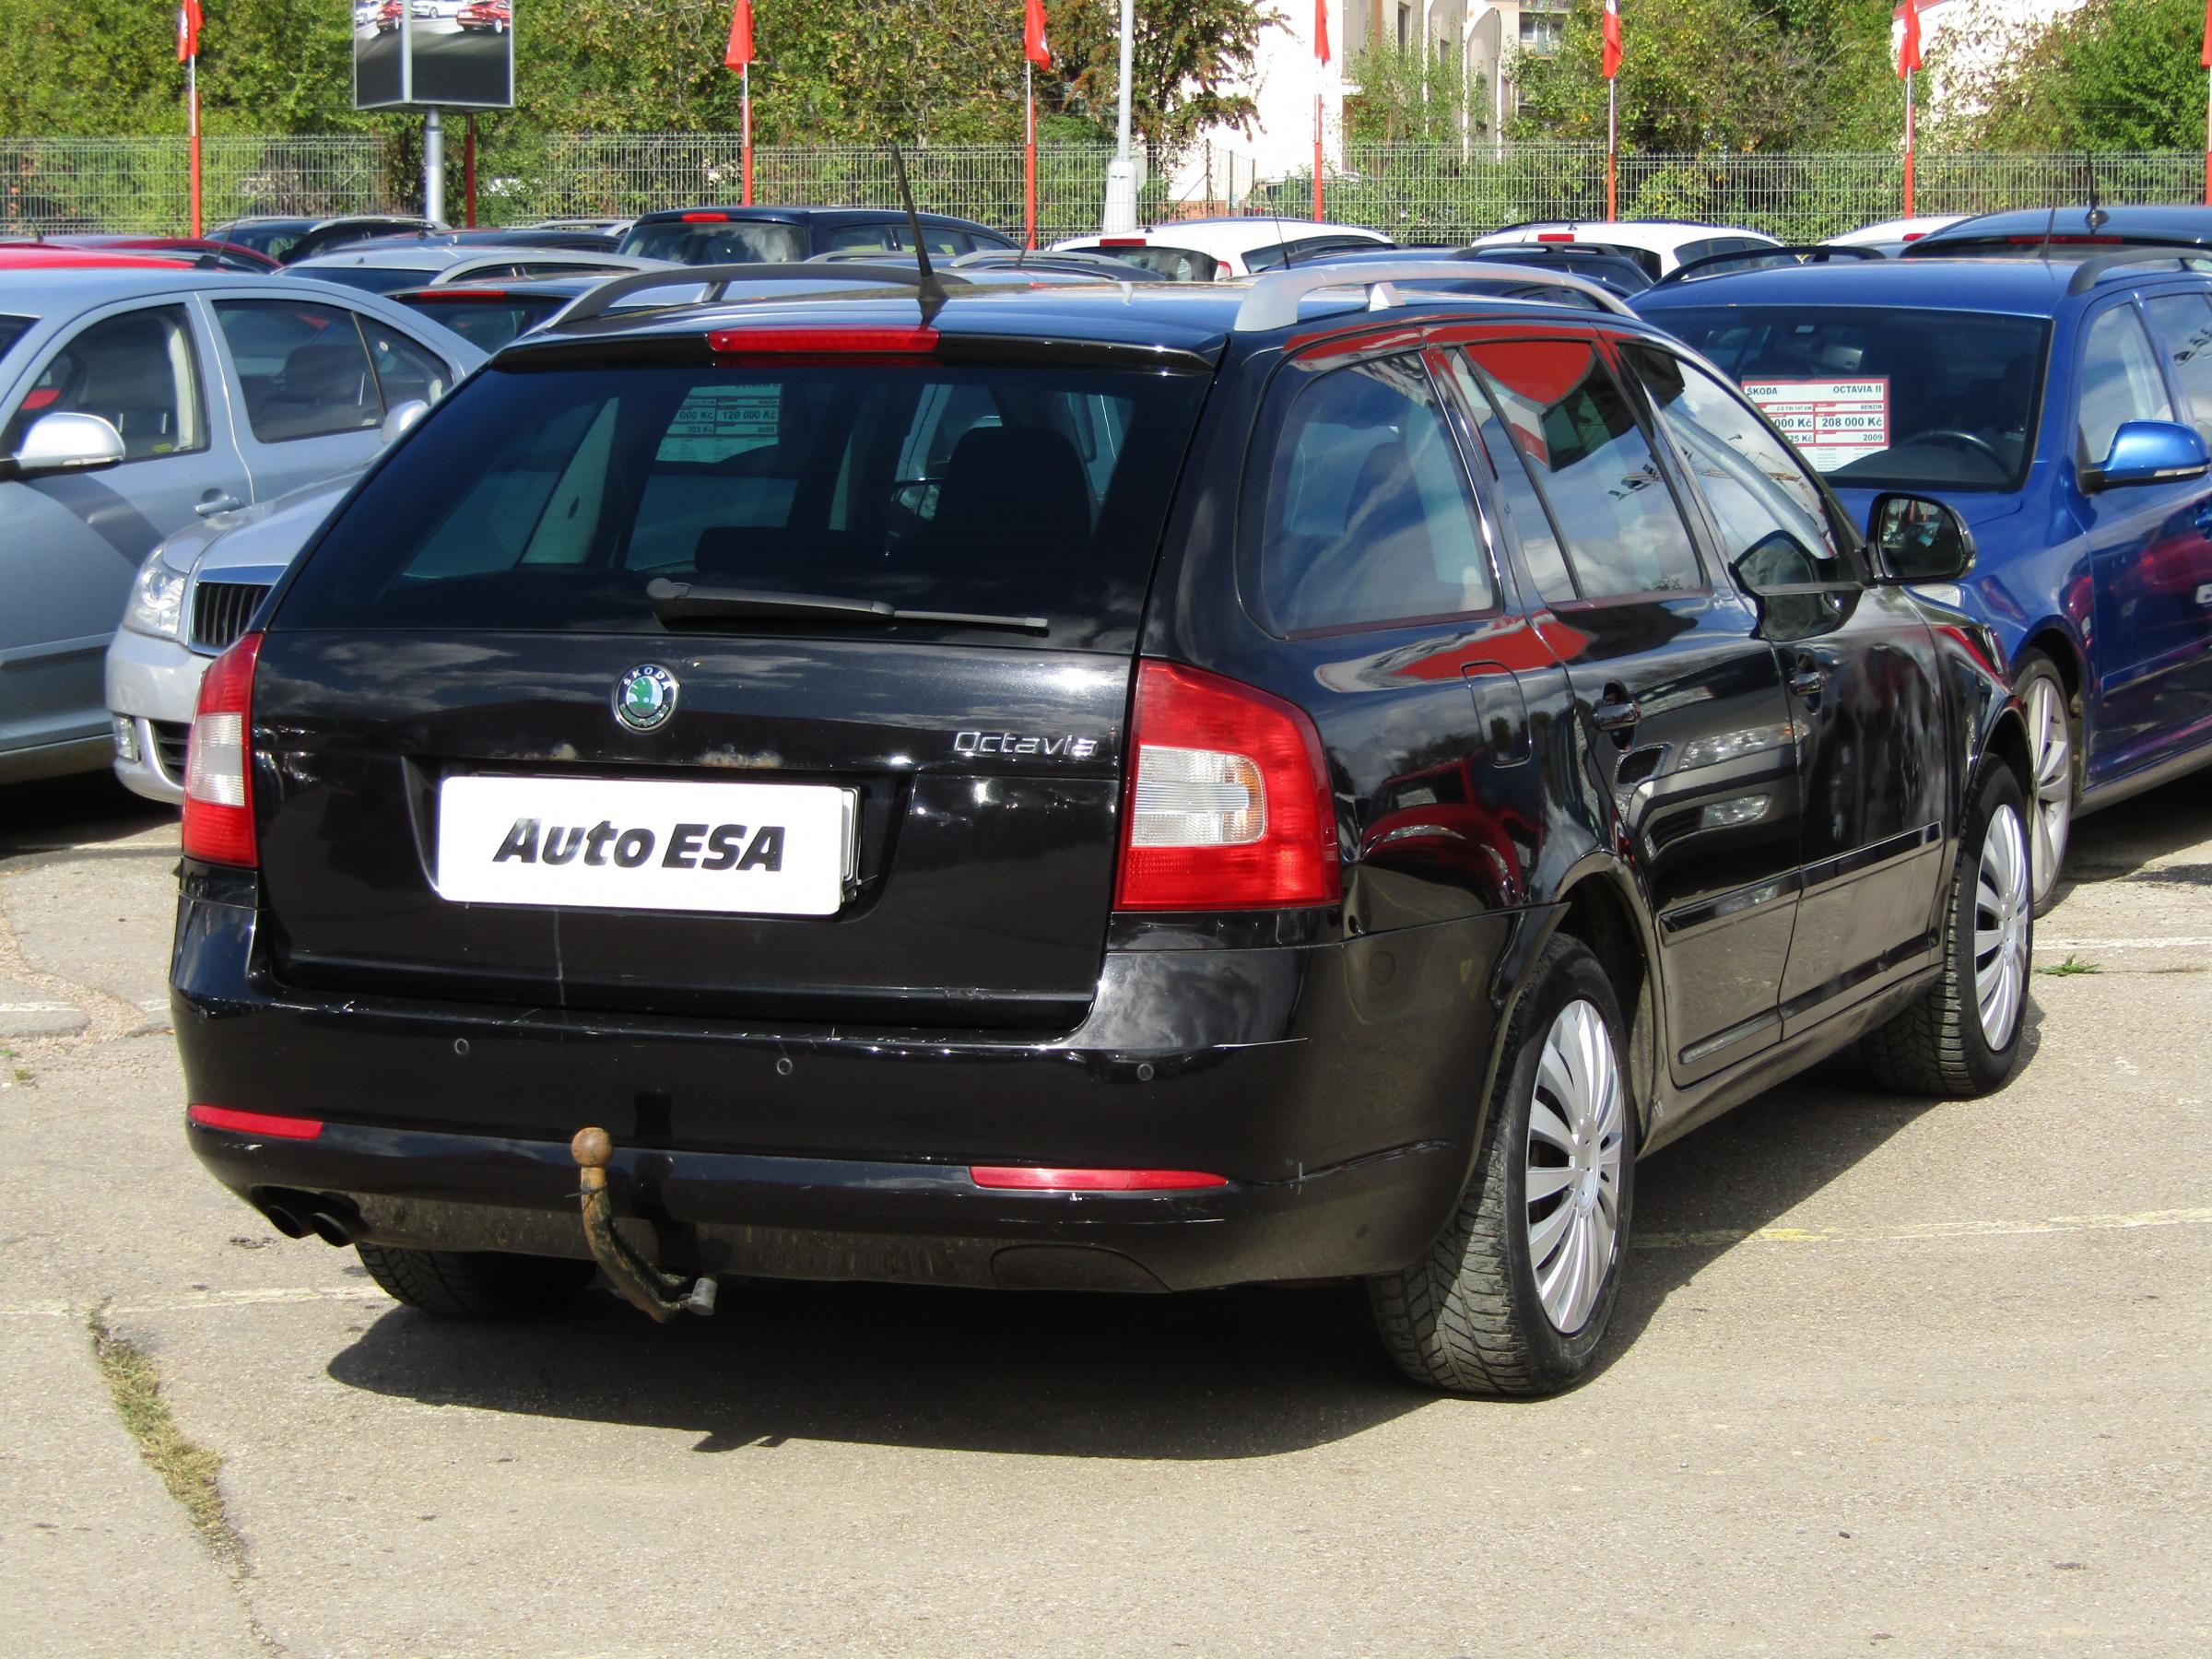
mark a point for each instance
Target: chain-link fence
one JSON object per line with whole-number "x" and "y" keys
{"x": 56, "y": 185}
{"x": 1417, "y": 192}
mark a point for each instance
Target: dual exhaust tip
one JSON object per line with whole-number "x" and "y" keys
{"x": 296, "y": 1215}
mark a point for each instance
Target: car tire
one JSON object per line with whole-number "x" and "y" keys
{"x": 2054, "y": 763}
{"x": 1490, "y": 1310}
{"x": 1962, "y": 1036}
{"x": 487, "y": 1284}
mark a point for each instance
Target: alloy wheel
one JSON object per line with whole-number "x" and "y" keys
{"x": 2050, "y": 732}
{"x": 2003, "y": 907}
{"x": 1577, "y": 1124}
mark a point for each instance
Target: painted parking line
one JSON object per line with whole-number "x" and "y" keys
{"x": 2183, "y": 942}
{"x": 1909, "y": 1232}
{"x": 1916, "y": 1230}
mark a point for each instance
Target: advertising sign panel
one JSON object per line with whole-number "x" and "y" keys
{"x": 456, "y": 52}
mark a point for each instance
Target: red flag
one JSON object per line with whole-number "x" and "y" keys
{"x": 1908, "y": 50}
{"x": 741, "y": 37}
{"x": 1321, "y": 30}
{"x": 1609, "y": 62}
{"x": 188, "y": 31}
{"x": 1033, "y": 45}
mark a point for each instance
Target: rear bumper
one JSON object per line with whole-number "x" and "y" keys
{"x": 1336, "y": 1088}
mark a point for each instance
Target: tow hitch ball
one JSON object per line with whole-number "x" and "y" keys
{"x": 663, "y": 1295}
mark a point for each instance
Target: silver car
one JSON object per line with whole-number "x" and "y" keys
{"x": 134, "y": 404}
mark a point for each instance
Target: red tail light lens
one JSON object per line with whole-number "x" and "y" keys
{"x": 1229, "y": 805}
{"x": 1024, "y": 1178}
{"x": 218, "y": 761}
{"x": 266, "y": 1124}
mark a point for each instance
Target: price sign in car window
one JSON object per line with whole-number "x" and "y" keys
{"x": 717, "y": 422}
{"x": 1833, "y": 422}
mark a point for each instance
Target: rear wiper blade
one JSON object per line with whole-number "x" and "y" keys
{"x": 676, "y": 602}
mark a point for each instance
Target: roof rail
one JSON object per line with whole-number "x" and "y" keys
{"x": 2090, "y": 272}
{"x": 1271, "y": 300}
{"x": 1802, "y": 253}
{"x": 718, "y": 278}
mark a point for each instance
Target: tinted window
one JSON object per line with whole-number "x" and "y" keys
{"x": 1755, "y": 486}
{"x": 2184, "y": 325}
{"x": 1176, "y": 264}
{"x": 405, "y": 369}
{"x": 1368, "y": 517}
{"x": 11, "y": 330}
{"x": 549, "y": 497}
{"x": 368, "y": 280}
{"x": 878, "y": 236}
{"x": 717, "y": 241}
{"x": 2120, "y": 380}
{"x": 137, "y": 372}
{"x": 1884, "y": 397}
{"x": 1571, "y": 422}
{"x": 303, "y": 367}
{"x": 488, "y": 324}
{"x": 1525, "y": 519}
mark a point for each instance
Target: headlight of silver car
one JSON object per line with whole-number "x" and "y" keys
{"x": 157, "y": 604}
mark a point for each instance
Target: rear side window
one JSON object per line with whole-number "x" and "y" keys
{"x": 487, "y": 322}
{"x": 1368, "y": 515}
{"x": 2184, "y": 322}
{"x": 137, "y": 372}
{"x": 303, "y": 367}
{"x": 547, "y": 498}
{"x": 1572, "y": 425}
{"x": 405, "y": 369}
{"x": 844, "y": 237}
{"x": 2120, "y": 380}
{"x": 11, "y": 330}
{"x": 1756, "y": 487}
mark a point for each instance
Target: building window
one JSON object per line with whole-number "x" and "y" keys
{"x": 1542, "y": 22}
{"x": 1404, "y": 26}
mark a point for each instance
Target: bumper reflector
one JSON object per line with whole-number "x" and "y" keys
{"x": 1024, "y": 1178}
{"x": 254, "y": 1122}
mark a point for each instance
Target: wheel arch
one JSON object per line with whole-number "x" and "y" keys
{"x": 1597, "y": 906}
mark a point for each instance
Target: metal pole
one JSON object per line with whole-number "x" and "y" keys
{"x": 1317, "y": 216}
{"x": 2208, "y": 138}
{"x": 1028, "y": 155}
{"x": 1612, "y": 151}
{"x": 745, "y": 99}
{"x": 469, "y": 169}
{"x": 191, "y": 94}
{"x": 433, "y": 167}
{"x": 1121, "y": 173}
{"x": 1908, "y": 143}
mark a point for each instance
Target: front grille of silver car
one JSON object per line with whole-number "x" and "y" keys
{"x": 220, "y": 611}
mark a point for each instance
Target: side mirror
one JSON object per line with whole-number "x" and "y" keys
{"x": 400, "y": 417}
{"x": 2149, "y": 452}
{"x": 66, "y": 443}
{"x": 1920, "y": 540}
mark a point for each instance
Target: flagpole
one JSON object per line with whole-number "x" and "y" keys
{"x": 1317, "y": 143}
{"x": 1908, "y": 143}
{"x": 1612, "y": 150}
{"x": 745, "y": 99}
{"x": 1029, "y": 155}
{"x": 191, "y": 98}
{"x": 2208, "y": 137}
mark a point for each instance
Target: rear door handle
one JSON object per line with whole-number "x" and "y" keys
{"x": 1808, "y": 683}
{"x": 216, "y": 501}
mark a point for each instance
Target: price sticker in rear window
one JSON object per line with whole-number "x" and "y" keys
{"x": 749, "y": 849}
{"x": 1833, "y": 422}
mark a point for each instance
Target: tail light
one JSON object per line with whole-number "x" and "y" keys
{"x": 1229, "y": 805}
{"x": 218, "y": 761}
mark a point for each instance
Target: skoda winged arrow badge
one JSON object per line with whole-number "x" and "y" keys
{"x": 646, "y": 697}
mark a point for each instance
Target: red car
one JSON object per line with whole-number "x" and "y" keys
{"x": 495, "y": 15}
{"x": 204, "y": 252}
{"x": 46, "y": 256}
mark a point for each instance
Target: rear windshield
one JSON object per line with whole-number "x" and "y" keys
{"x": 1881, "y": 398}
{"x": 275, "y": 241}
{"x": 717, "y": 241}
{"x": 549, "y": 497}
{"x": 487, "y": 321}
{"x": 1176, "y": 264}
{"x": 11, "y": 330}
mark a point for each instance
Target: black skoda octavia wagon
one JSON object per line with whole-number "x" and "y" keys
{"x": 1081, "y": 786}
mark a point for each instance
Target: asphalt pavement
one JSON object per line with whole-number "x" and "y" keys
{"x": 1888, "y": 1376}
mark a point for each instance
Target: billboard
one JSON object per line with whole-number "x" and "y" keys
{"x": 457, "y": 52}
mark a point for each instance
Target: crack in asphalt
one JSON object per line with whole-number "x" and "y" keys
{"x": 107, "y": 1016}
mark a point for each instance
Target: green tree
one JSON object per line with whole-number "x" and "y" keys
{"x": 2115, "y": 74}
{"x": 1412, "y": 95}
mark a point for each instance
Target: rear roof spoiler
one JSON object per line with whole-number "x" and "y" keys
{"x": 719, "y": 278}
{"x": 1272, "y": 300}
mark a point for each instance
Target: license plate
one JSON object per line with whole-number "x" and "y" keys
{"x": 599, "y": 843}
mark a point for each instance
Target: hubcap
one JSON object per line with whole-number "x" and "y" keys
{"x": 2003, "y": 907}
{"x": 1575, "y": 1138}
{"x": 2051, "y": 732}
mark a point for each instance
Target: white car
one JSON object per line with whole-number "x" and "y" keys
{"x": 1218, "y": 249}
{"x": 1891, "y": 235}
{"x": 1658, "y": 245}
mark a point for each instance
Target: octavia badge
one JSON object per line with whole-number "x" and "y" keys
{"x": 646, "y": 697}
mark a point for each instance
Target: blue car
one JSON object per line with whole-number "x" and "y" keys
{"x": 2036, "y": 430}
